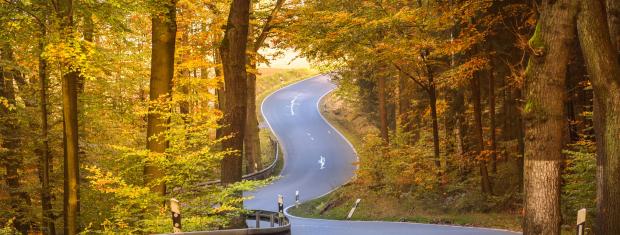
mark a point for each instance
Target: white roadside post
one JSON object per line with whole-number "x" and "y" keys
{"x": 357, "y": 202}
{"x": 176, "y": 215}
{"x": 581, "y": 222}
{"x": 280, "y": 209}
{"x": 296, "y": 198}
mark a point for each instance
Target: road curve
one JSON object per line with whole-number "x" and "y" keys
{"x": 318, "y": 159}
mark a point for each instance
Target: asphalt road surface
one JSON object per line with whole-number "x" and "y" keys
{"x": 318, "y": 159}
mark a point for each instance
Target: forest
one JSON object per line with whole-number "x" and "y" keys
{"x": 110, "y": 108}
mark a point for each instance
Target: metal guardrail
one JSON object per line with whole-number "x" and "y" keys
{"x": 259, "y": 175}
{"x": 279, "y": 225}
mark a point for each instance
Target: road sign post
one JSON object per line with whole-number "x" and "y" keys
{"x": 176, "y": 215}
{"x": 581, "y": 222}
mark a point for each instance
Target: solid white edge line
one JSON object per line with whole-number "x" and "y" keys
{"x": 356, "y": 167}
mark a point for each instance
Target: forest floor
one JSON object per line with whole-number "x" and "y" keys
{"x": 378, "y": 206}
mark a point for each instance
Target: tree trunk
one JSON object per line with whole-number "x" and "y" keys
{"x": 404, "y": 104}
{"x": 219, "y": 92}
{"x": 520, "y": 141}
{"x": 613, "y": 19}
{"x": 485, "y": 181}
{"x": 432, "y": 95}
{"x": 385, "y": 135}
{"x": 252, "y": 140}
{"x": 602, "y": 61}
{"x": 44, "y": 151}
{"x": 162, "y": 71}
{"x": 233, "y": 52}
{"x": 493, "y": 144}
{"x": 11, "y": 157}
{"x": 544, "y": 116}
{"x": 70, "y": 137}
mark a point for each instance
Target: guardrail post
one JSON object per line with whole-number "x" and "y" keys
{"x": 271, "y": 219}
{"x": 176, "y": 215}
{"x": 581, "y": 222}
{"x": 257, "y": 219}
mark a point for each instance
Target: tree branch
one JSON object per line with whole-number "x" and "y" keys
{"x": 425, "y": 87}
{"x": 268, "y": 25}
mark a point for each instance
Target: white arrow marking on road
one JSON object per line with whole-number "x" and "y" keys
{"x": 293, "y": 105}
{"x": 322, "y": 162}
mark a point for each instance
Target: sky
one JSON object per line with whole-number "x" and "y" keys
{"x": 288, "y": 60}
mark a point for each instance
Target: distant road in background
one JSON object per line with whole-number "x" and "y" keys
{"x": 317, "y": 160}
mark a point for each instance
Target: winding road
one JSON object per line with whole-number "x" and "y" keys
{"x": 318, "y": 159}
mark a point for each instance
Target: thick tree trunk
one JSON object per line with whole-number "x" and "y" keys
{"x": 252, "y": 140}
{"x": 11, "y": 158}
{"x": 44, "y": 151}
{"x": 233, "y": 52}
{"x": 544, "y": 116}
{"x": 385, "y": 135}
{"x": 162, "y": 71}
{"x": 70, "y": 137}
{"x": 485, "y": 181}
{"x": 602, "y": 61}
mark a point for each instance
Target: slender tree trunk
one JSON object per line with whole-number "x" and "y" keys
{"x": 485, "y": 181}
{"x": 602, "y": 61}
{"x": 520, "y": 141}
{"x": 162, "y": 72}
{"x": 44, "y": 162}
{"x": 493, "y": 144}
{"x": 404, "y": 103}
{"x": 385, "y": 135}
{"x": 10, "y": 131}
{"x": 432, "y": 95}
{"x": 544, "y": 116}
{"x": 219, "y": 92}
{"x": 233, "y": 52}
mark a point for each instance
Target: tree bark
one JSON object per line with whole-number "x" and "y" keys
{"x": 252, "y": 140}
{"x": 385, "y": 135}
{"x": 432, "y": 95}
{"x": 602, "y": 61}
{"x": 544, "y": 116}
{"x": 233, "y": 52}
{"x": 485, "y": 181}
{"x": 493, "y": 144}
{"x": 613, "y": 19}
{"x": 44, "y": 161}
{"x": 162, "y": 71}
{"x": 70, "y": 121}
